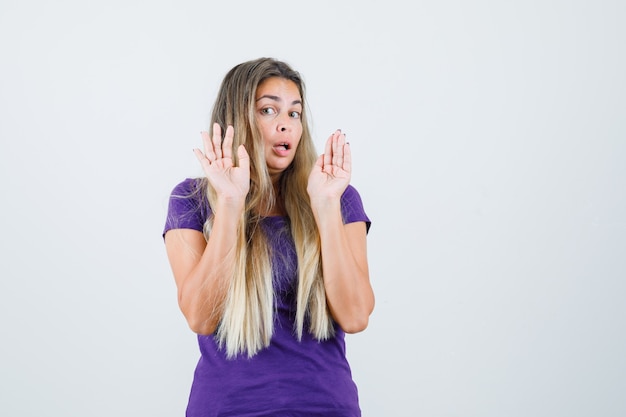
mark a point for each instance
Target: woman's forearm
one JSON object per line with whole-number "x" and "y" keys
{"x": 203, "y": 269}
{"x": 344, "y": 265}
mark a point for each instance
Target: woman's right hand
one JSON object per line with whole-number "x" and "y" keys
{"x": 230, "y": 182}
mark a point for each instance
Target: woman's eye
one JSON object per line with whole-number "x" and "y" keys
{"x": 295, "y": 114}
{"x": 268, "y": 110}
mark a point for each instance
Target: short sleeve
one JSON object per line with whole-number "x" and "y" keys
{"x": 188, "y": 207}
{"x": 352, "y": 207}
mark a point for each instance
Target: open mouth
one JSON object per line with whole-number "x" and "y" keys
{"x": 284, "y": 146}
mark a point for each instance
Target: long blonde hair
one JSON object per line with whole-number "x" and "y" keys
{"x": 247, "y": 319}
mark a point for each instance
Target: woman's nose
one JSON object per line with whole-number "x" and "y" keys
{"x": 283, "y": 125}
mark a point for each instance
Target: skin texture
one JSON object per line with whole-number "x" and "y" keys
{"x": 279, "y": 107}
{"x": 201, "y": 268}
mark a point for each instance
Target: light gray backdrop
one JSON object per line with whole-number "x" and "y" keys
{"x": 489, "y": 142}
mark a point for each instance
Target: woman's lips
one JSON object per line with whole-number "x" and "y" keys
{"x": 282, "y": 149}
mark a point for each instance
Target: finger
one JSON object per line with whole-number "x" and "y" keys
{"x": 208, "y": 146}
{"x": 203, "y": 160}
{"x": 320, "y": 162}
{"x": 347, "y": 158}
{"x": 217, "y": 140}
{"x": 227, "y": 146}
{"x": 318, "y": 167}
{"x": 338, "y": 144}
{"x": 244, "y": 159}
{"x": 328, "y": 153}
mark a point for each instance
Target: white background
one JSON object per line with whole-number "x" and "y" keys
{"x": 489, "y": 142}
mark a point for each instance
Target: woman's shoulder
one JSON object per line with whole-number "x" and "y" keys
{"x": 350, "y": 193}
{"x": 188, "y": 207}
{"x": 351, "y": 196}
{"x": 352, "y": 207}
{"x": 187, "y": 187}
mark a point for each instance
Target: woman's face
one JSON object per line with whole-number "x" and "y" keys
{"x": 278, "y": 111}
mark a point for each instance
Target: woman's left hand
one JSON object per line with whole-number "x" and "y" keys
{"x": 331, "y": 174}
{"x": 345, "y": 273}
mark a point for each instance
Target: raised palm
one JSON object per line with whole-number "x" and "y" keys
{"x": 331, "y": 174}
{"x": 230, "y": 182}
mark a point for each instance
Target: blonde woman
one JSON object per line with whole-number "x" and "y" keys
{"x": 268, "y": 250}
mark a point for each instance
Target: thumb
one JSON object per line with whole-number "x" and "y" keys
{"x": 320, "y": 162}
{"x": 244, "y": 159}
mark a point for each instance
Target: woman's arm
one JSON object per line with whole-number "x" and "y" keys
{"x": 203, "y": 269}
{"x": 346, "y": 275}
{"x": 349, "y": 294}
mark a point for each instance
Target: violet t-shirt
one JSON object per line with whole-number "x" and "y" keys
{"x": 289, "y": 377}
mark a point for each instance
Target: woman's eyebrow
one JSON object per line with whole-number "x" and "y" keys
{"x": 276, "y": 98}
